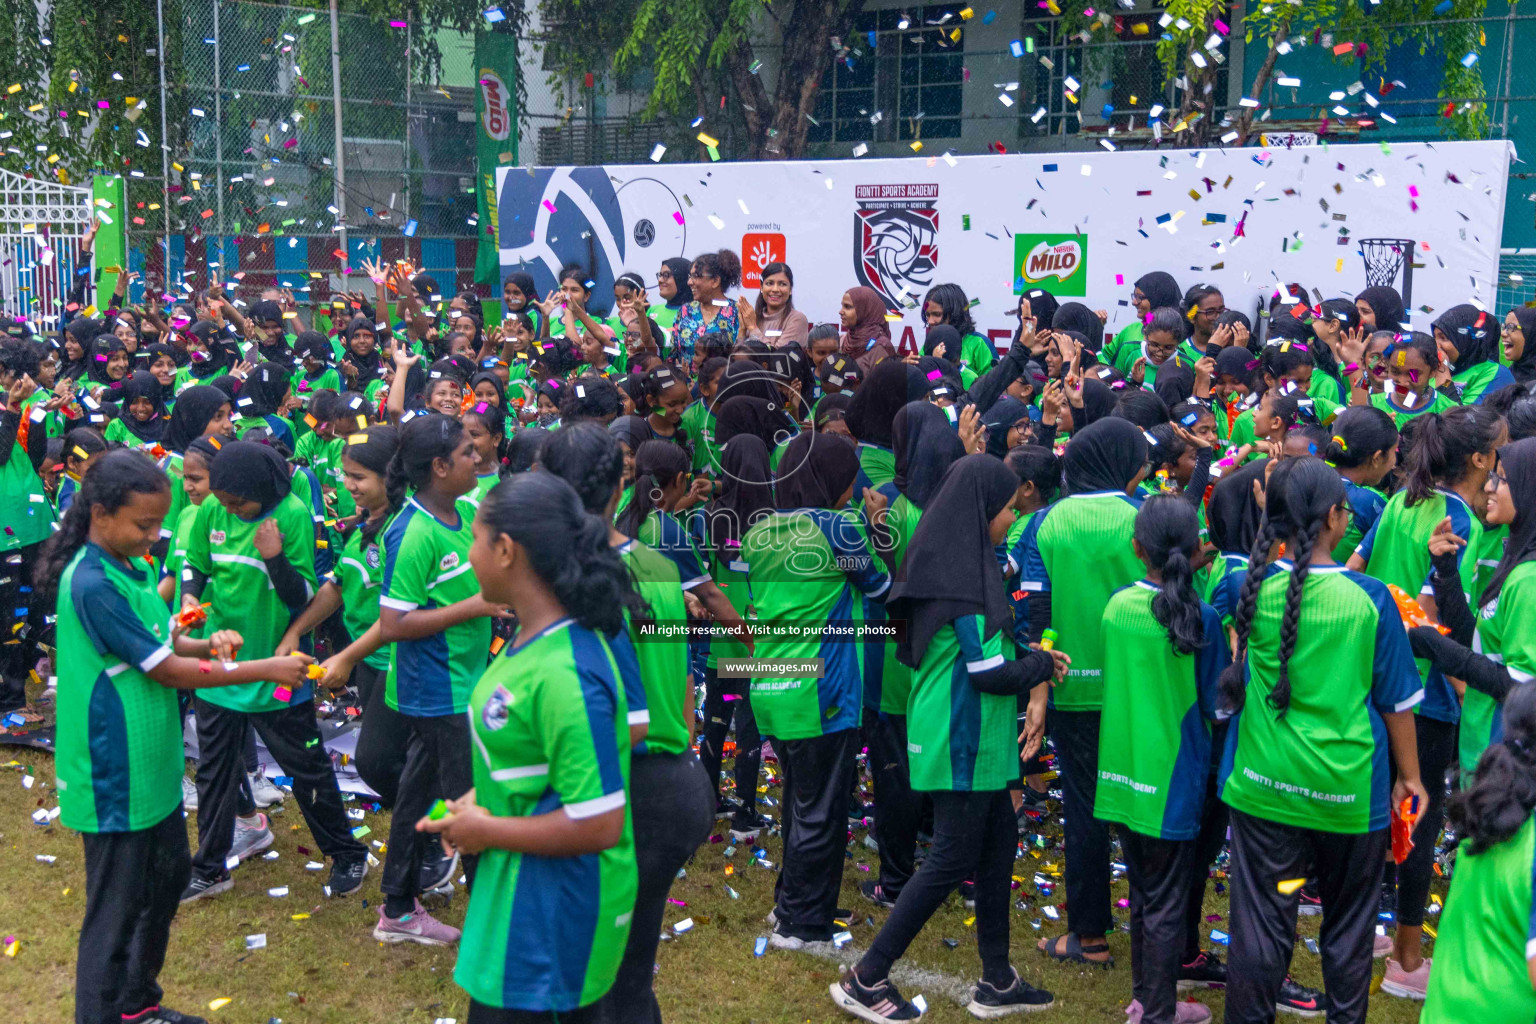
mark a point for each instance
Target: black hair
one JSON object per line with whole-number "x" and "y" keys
{"x": 1418, "y": 341}
{"x": 23, "y": 358}
{"x": 822, "y": 332}
{"x": 575, "y": 272}
{"x": 1517, "y": 404}
{"x": 374, "y": 449}
{"x": 1442, "y": 445}
{"x": 657, "y": 464}
{"x": 725, "y": 265}
{"x": 658, "y": 380}
{"x": 1341, "y": 311}
{"x": 1194, "y": 295}
{"x": 84, "y": 439}
{"x": 589, "y": 398}
{"x": 1169, "y": 532}
{"x": 768, "y": 271}
{"x": 1299, "y": 496}
{"x": 567, "y": 545}
{"x": 1234, "y": 316}
{"x": 1164, "y": 447}
{"x": 423, "y": 439}
{"x": 1358, "y": 434}
{"x": 588, "y": 458}
{"x": 495, "y": 422}
{"x": 633, "y": 385}
{"x": 1166, "y": 318}
{"x": 711, "y": 369}
{"x": 1038, "y": 465}
{"x": 523, "y": 320}
{"x": 1280, "y": 358}
{"x": 325, "y": 405}
{"x": 1180, "y": 414}
{"x": 1142, "y": 408}
{"x": 1286, "y": 406}
{"x": 954, "y": 307}
{"x": 111, "y": 482}
{"x": 1503, "y": 790}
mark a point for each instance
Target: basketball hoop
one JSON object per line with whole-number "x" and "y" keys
{"x": 1383, "y": 258}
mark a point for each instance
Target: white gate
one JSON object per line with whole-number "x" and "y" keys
{"x": 42, "y": 225}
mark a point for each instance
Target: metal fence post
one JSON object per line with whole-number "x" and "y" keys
{"x": 341, "y": 164}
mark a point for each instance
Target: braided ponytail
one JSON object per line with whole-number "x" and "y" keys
{"x": 1233, "y": 686}
{"x": 1280, "y": 696}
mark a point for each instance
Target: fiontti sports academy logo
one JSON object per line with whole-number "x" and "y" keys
{"x": 896, "y": 240}
{"x": 1054, "y": 263}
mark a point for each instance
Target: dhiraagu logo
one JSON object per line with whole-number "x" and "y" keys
{"x": 1054, "y": 263}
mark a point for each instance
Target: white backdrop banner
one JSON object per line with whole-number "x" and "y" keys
{"x": 1083, "y": 226}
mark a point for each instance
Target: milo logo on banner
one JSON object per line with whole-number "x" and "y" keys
{"x": 495, "y": 118}
{"x": 1054, "y": 263}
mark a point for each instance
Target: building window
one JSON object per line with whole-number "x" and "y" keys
{"x": 912, "y": 78}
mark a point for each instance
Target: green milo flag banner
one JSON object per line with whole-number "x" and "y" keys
{"x": 1055, "y": 263}
{"x": 495, "y": 141}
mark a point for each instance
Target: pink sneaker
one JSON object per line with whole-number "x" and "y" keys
{"x": 1382, "y": 946}
{"x": 1185, "y": 1012}
{"x": 418, "y": 926}
{"x": 1406, "y": 984}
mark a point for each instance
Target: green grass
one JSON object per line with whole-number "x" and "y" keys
{"x": 328, "y": 970}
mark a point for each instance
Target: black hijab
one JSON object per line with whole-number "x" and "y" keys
{"x": 1106, "y": 455}
{"x": 1473, "y": 331}
{"x": 1233, "y": 517}
{"x": 950, "y": 568}
{"x": 746, "y": 493}
{"x": 815, "y": 471}
{"x": 1074, "y": 316}
{"x": 1386, "y": 304}
{"x": 223, "y": 353}
{"x": 80, "y": 330}
{"x": 746, "y": 414}
{"x": 252, "y": 472}
{"x": 1004, "y": 414}
{"x": 1098, "y": 402}
{"x": 745, "y": 378}
{"x": 1517, "y": 462}
{"x": 369, "y": 367}
{"x": 1161, "y": 289}
{"x": 1524, "y": 368}
{"x": 486, "y": 376}
{"x": 195, "y": 409}
{"x": 142, "y": 384}
{"x": 631, "y": 431}
{"x": 263, "y": 390}
{"x": 943, "y": 334}
{"x": 1042, "y": 306}
{"x": 153, "y": 353}
{"x": 878, "y": 400}
{"x": 679, "y": 268}
{"x": 97, "y": 356}
{"x": 926, "y": 445}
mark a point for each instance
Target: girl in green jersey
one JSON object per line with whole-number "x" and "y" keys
{"x": 119, "y": 757}
{"x": 1362, "y": 446}
{"x": 961, "y": 737}
{"x": 1485, "y": 956}
{"x": 1411, "y": 362}
{"x": 550, "y": 911}
{"x": 1469, "y": 344}
{"x": 1322, "y": 688}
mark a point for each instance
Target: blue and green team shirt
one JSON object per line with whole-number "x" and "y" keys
{"x": 547, "y": 723}
{"x": 1079, "y": 551}
{"x": 1487, "y": 936}
{"x": 805, "y": 566}
{"x": 1365, "y": 507}
{"x": 877, "y": 467}
{"x": 426, "y": 565}
{"x": 1396, "y": 551}
{"x": 664, "y": 533}
{"x": 960, "y": 739}
{"x": 1155, "y": 732}
{"x": 1323, "y": 765}
{"x": 1225, "y": 586}
{"x": 661, "y": 662}
{"x": 118, "y": 758}
{"x": 1480, "y": 380}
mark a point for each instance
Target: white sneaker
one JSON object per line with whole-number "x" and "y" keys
{"x": 251, "y": 836}
{"x": 263, "y": 791}
{"x": 188, "y": 793}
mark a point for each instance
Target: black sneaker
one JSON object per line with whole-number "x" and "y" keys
{"x": 437, "y": 869}
{"x": 875, "y": 893}
{"x": 1021, "y": 996}
{"x": 163, "y": 1015}
{"x": 746, "y": 827}
{"x": 726, "y": 809}
{"x": 1205, "y": 971}
{"x": 880, "y": 1003}
{"x": 200, "y": 887}
{"x": 1298, "y": 999}
{"x": 346, "y": 877}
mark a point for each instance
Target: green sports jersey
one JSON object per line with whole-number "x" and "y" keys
{"x": 1155, "y": 731}
{"x": 1490, "y": 551}
{"x": 1506, "y": 633}
{"x": 1079, "y": 550}
{"x": 730, "y": 575}
{"x": 976, "y": 353}
{"x": 1325, "y": 390}
{"x": 1396, "y": 551}
{"x": 176, "y": 554}
{"x": 118, "y": 431}
{"x": 663, "y": 660}
{"x": 323, "y": 456}
{"x": 699, "y": 424}
{"x": 1480, "y": 380}
{"x": 1365, "y": 507}
{"x": 959, "y": 738}
{"x": 359, "y": 573}
{"x": 1487, "y": 936}
{"x": 901, "y": 520}
{"x": 222, "y": 547}
{"x": 483, "y": 484}
{"x": 170, "y": 465}
{"x": 304, "y": 385}
{"x": 426, "y": 565}
{"x": 1129, "y": 336}
{"x": 1402, "y": 414}
{"x": 26, "y": 515}
{"x": 1242, "y": 429}
{"x": 1323, "y": 765}
{"x": 548, "y": 725}
{"x": 877, "y": 467}
{"x": 118, "y": 740}
{"x": 805, "y": 566}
